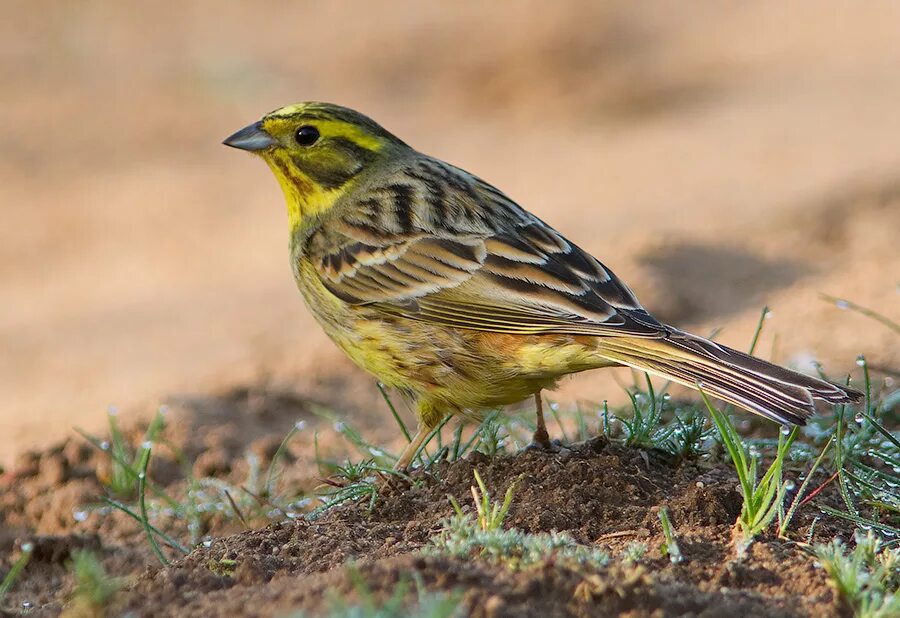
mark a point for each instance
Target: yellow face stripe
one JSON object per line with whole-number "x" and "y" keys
{"x": 281, "y": 124}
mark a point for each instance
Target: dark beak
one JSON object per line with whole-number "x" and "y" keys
{"x": 252, "y": 138}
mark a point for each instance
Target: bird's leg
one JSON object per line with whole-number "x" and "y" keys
{"x": 410, "y": 451}
{"x": 541, "y": 439}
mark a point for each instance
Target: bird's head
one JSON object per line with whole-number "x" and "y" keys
{"x": 316, "y": 151}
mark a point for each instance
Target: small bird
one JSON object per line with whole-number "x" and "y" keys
{"x": 444, "y": 288}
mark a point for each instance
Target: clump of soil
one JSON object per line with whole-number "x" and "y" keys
{"x": 601, "y": 494}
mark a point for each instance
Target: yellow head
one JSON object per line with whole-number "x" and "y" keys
{"x": 317, "y": 151}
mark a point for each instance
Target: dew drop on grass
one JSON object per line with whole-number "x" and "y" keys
{"x": 788, "y": 485}
{"x": 207, "y": 542}
{"x": 785, "y": 430}
{"x": 163, "y": 410}
{"x": 141, "y": 476}
{"x": 339, "y": 427}
{"x": 79, "y": 515}
{"x": 554, "y": 406}
{"x": 861, "y": 360}
{"x": 112, "y": 410}
{"x": 300, "y": 425}
{"x": 859, "y": 418}
{"x": 27, "y": 604}
{"x": 768, "y": 315}
{"x": 104, "y": 445}
{"x": 841, "y": 304}
{"x": 147, "y": 445}
{"x": 27, "y": 547}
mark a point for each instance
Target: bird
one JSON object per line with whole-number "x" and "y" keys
{"x": 445, "y": 289}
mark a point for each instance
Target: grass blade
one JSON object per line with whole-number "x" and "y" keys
{"x": 393, "y": 410}
{"x": 16, "y": 569}
{"x": 145, "y": 520}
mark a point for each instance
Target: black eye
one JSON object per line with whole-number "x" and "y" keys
{"x": 307, "y": 135}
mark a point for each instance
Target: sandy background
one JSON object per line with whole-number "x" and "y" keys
{"x": 717, "y": 159}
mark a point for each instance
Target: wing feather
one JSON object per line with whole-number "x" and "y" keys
{"x": 472, "y": 259}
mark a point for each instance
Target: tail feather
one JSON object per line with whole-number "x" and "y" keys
{"x": 771, "y": 391}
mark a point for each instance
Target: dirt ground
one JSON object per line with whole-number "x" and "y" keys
{"x": 604, "y": 496}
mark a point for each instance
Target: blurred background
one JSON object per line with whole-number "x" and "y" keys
{"x": 718, "y": 159}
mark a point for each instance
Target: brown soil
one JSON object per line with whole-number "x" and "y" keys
{"x": 601, "y": 494}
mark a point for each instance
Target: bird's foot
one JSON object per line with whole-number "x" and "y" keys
{"x": 386, "y": 484}
{"x": 540, "y": 441}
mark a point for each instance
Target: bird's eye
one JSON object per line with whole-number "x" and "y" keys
{"x": 307, "y": 135}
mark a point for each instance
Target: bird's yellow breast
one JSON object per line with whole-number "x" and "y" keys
{"x": 457, "y": 368}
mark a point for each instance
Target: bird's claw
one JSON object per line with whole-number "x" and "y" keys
{"x": 547, "y": 446}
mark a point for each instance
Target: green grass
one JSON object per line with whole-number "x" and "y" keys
{"x": 354, "y": 482}
{"x": 425, "y": 605}
{"x": 514, "y": 549}
{"x": 194, "y": 504}
{"x": 123, "y": 479}
{"x": 866, "y": 578}
{"x": 634, "y": 552}
{"x": 482, "y": 537}
{"x": 18, "y": 566}
{"x": 489, "y": 516}
{"x": 94, "y": 590}
{"x": 786, "y": 517}
{"x": 763, "y": 496}
{"x": 842, "y": 303}
{"x": 848, "y": 450}
{"x": 643, "y": 428}
{"x": 863, "y": 456}
{"x": 359, "y": 480}
{"x": 670, "y": 548}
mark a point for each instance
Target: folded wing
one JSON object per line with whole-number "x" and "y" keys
{"x": 471, "y": 259}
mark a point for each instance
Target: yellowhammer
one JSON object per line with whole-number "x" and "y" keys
{"x": 444, "y": 288}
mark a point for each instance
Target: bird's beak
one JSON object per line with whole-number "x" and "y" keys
{"x": 252, "y": 138}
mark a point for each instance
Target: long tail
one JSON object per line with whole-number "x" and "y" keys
{"x": 771, "y": 391}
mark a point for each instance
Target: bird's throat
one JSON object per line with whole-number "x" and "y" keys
{"x": 304, "y": 198}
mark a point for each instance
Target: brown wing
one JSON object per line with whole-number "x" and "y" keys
{"x": 436, "y": 244}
